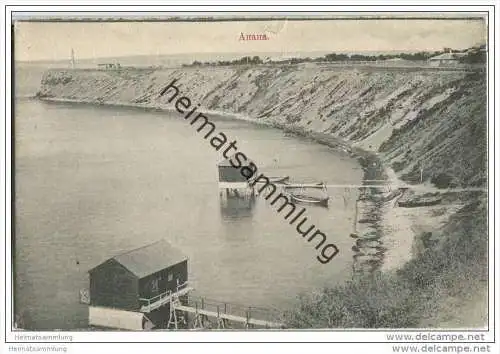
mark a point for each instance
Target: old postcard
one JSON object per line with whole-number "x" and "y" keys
{"x": 252, "y": 173}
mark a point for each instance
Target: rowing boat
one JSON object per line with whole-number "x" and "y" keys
{"x": 279, "y": 179}
{"x": 320, "y": 185}
{"x": 273, "y": 179}
{"x": 310, "y": 195}
{"x": 306, "y": 199}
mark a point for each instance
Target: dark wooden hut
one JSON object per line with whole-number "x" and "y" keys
{"x": 133, "y": 279}
{"x": 230, "y": 174}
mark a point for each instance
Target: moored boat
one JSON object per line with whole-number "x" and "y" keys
{"x": 299, "y": 198}
{"x": 279, "y": 179}
{"x": 318, "y": 185}
{"x": 310, "y": 195}
{"x": 270, "y": 179}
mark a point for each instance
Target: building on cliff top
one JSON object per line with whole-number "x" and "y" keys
{"x": 444, "y": 59}
{"x": 109, "y": 66}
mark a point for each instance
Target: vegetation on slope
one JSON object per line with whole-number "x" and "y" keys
{"x": 435, "y": 123}
{"x": 447, "y": 140}
{"x": 449, "y": 267}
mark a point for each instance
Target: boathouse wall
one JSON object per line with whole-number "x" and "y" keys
{"x": 166, "y": 279}
{"x": 113, "y": 285}
{"x": 230, "y": 174}
{"x": 132, "y": 280}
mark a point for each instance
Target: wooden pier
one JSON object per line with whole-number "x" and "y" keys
{"x": 222, "y": 313}
{"x": 248, "y": 321}
{"x": 313, "y": 185}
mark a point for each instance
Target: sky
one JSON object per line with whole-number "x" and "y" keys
{"x": 54, "y": 40}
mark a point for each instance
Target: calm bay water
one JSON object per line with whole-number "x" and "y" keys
{"x": 92, "y": 182}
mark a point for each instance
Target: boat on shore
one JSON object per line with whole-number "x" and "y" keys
{"x": 419, "y": 201}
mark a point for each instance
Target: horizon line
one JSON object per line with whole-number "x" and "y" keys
{"x": 394, "y": 51}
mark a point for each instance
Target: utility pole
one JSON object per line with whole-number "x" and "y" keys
{"x": 72, "y": 58}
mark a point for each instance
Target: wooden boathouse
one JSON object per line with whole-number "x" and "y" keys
{"x": 136, "y": 282}
{"x": 230, "y": 174}
{"x": 232, "y": 183}
{"x": 146, "y": 288}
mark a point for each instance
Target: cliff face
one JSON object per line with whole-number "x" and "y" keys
{"x": 435, "y": 120}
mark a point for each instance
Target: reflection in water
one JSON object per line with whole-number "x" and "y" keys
{"x": 236, "y": 204}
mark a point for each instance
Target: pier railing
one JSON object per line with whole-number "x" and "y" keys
{"x": 150, "y": 304}
{"x": 226, "y": 312}
{"x": 205, "y": 310}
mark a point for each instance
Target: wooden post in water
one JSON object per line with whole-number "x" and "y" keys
{"x": 218, "y": 317}
{"x": 202, "y": 316}
{"x": 249, "y": 316}
{"x": 196, "y": 316}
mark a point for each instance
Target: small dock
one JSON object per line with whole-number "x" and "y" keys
{"x": 313, "y": 185}
{"x": 223, "y": 313}
{"x": 304, "y": 185}
{"x": 206, "y": 313}
{"x": 347, "y": 186}
{"x": 248, "y": 321}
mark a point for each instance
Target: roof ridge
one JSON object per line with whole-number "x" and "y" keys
{"x": 148, "y": 259}
{"x": 138, "y": 248}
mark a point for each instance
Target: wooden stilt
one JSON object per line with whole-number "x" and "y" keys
{"x": 202, "y": 316}
{"x": 173, "y": 317}
{"x": 247, "y": 324}
{"x": 197, "y": 320}
{"x": 220, "y": 321}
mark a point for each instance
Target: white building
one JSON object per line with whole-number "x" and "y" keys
{"x": 445, "y": 59}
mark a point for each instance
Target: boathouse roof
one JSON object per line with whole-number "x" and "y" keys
{"x": 227, "y": 163}
{"x": 149, "y": 259}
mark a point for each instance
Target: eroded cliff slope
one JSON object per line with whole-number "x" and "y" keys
{"x": 430, "y": 119}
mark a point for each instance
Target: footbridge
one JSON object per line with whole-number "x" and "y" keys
{"x": 209, "y": 313}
